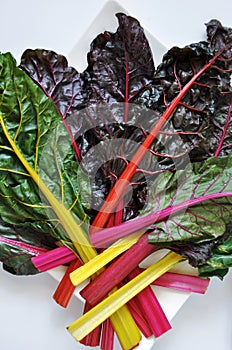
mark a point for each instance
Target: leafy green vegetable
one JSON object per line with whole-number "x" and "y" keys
{"x": 39, "y": 176}
{"x": 75, "y": 146}
{"x": 67, "y": 88}
{"x": 191, "y": 89}
{"x": 186, "y": 207}
{"x": 187, "y": 87}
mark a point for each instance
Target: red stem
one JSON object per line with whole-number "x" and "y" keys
{"x": 65, "y": 288}
{"x": 118, "y": 215}
{"x": 93, "y": 338}
{"x": 119, "y": 188}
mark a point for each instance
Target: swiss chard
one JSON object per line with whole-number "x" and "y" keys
{"x": 120, "y": 66}
{"x": 191, "y": 81}
{"x": 190, "y": 88}
{"x": 40, "y": 178}
{"x": 153, "y": 143}
{"x": 199, "y": 202}
{"x": 38, "y": 190}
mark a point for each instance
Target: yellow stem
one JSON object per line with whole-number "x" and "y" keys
{"x": 75, "y": 232}
{"x": 90, "y": 268}
{"x": 122, "y": 323}
{"x": 80, "y": 241}
{"x": 86, "y": 323}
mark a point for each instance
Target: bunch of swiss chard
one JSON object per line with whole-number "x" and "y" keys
{"x": 123, "y": 156}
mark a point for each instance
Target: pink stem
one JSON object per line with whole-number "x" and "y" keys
{"x": 139, "y": 319}
{"x": 152, "y": 309}
{"x": 111, "y": 234}
{"x": 183, "y": 282}
{"x": 22, "y": 245}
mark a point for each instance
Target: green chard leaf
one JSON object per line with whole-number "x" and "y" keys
{"x": 194, "y": 204}
{"x": 220, "y": 261}
{"x": 39, "y": 175}
{"x": 19, "y": 245}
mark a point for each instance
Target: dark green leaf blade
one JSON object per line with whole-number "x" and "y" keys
{"x": 30, "y": 119}
{"x": 18, "y": 245}
{"x": 221, "y": 259}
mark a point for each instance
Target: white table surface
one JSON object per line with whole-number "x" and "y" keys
{"x": 30, "y": 319}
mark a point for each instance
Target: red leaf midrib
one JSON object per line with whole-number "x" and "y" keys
{"x": 119, "y": 188}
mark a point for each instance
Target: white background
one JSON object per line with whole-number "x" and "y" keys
{"x": 30, "y": 319}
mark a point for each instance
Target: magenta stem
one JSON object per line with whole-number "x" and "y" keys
{"x": 53, "y": 258}
{"x": 111, "y": 234}
{"x": 49, "y": 259}
{"x": 22, "y": 245}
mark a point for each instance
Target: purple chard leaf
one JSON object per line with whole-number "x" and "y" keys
{"x": 120, "y": 64}
{"x": 63, "y": 84}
